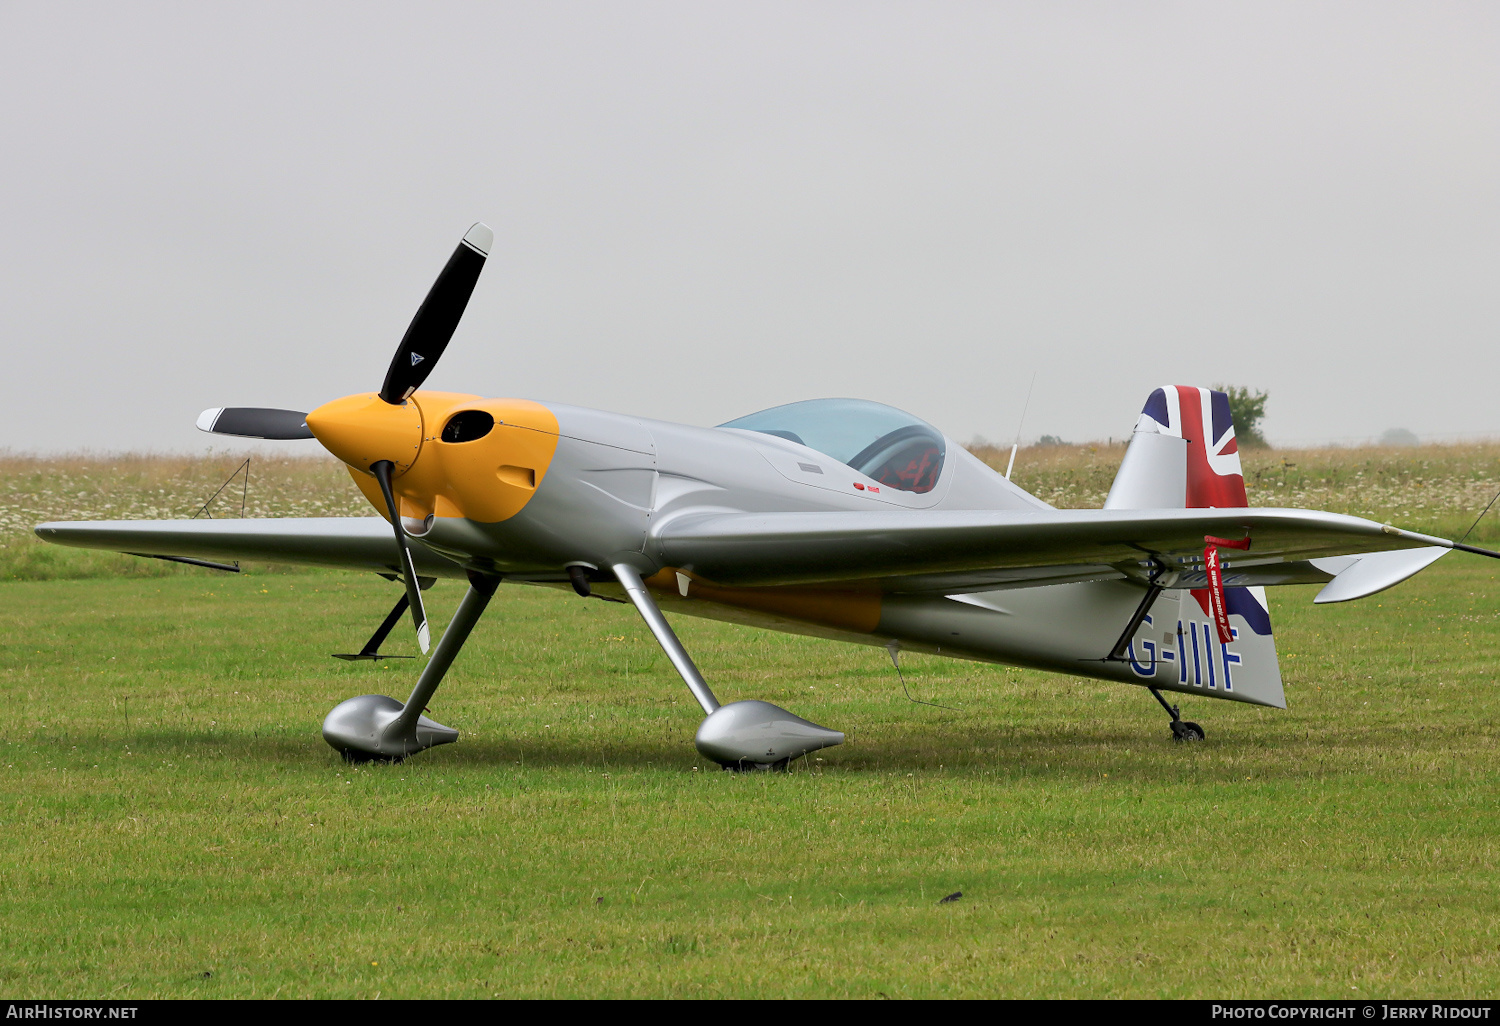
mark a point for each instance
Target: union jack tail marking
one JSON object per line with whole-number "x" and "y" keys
{"x": 1200, "y": 416}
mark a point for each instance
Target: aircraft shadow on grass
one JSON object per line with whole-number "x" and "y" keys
{"x": 1013, "y": 753}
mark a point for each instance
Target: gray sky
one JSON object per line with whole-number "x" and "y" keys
{"x": 705, "y": 209}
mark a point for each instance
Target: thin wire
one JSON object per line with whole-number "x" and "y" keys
{"x": 243, "y": 495}
{"x": 893, "y": 650}
{"x": 1479, "y": 518}
{"x": 243, "y": 466}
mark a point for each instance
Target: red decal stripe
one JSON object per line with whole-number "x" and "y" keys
{"x": 1216, "y": 593}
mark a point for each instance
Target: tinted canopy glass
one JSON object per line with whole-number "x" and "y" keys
{"x": 879, "y": 441}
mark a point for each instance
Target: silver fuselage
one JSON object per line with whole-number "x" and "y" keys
{"x": 617, "y": 482}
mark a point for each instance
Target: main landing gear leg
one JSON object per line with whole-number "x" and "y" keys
{"x": 1182, "y": 730}
{"x": 379, "y": 727}
{"x": 740, "y": 735}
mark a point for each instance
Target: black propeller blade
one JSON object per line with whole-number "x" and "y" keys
{"x": 382, "y": 471}
{"x": 254, "y": 422}
{"x": 426, "y": 338}
{"x": 438, "y": 317}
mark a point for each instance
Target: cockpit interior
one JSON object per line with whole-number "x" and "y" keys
{"x": 881, "y": 442}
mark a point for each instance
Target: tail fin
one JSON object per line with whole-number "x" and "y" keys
{"x": 1183, "y": 455}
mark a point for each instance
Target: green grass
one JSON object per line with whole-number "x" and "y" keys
{"x": 171, "y": 812}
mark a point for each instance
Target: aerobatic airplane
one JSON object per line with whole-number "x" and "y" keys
{"x": 837, "y": 518}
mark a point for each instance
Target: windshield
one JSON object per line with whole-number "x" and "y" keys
{"x": 879, "y": 441}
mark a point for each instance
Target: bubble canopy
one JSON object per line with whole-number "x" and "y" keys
{"x": 879, "y": 441}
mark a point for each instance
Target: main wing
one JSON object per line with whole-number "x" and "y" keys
{"x": 348, "y": 543}
{"x": 973, "y": 550}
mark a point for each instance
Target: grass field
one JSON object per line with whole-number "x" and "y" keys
{"x": 175, "y": 826}
{"x": 172, "y": 812}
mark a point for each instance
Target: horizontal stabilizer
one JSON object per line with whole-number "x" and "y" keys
{"x": 1359, "y": 576}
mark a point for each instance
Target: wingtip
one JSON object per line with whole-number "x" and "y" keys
{"x": 480, "y": 238}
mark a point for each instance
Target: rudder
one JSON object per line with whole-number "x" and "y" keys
{"x": 1183, "y": 455}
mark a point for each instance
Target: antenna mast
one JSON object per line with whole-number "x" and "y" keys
{"x": 1027, "y": 405}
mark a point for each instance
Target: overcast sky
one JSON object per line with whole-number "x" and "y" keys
{"x": 705, "y": 209}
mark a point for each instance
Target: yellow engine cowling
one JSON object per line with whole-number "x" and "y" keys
{"x": 487, "y": 478}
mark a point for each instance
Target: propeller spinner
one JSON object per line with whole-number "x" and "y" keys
{"x": 377, "y": 437}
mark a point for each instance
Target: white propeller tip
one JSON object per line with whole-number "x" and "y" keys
{"x": 480, "y": 238}
{"x": 424, "y": 638}
{"x": 208, "y": 418}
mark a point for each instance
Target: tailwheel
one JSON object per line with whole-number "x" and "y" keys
{"x": 1182, "y": 730}
{"x": 1186, "y": 730}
